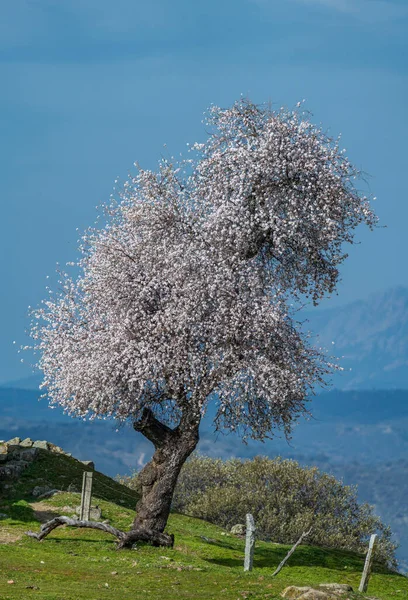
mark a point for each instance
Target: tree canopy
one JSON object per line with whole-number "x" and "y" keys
{"x": 183, "y": 296}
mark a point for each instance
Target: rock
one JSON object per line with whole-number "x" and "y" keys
{"x": 56, "y": 449}
{"x": 313, "y": 594}
{"x": 28, "y": 454}
{"x": 13, "y": 470}
{"x": 95, "y": 513}
{"x": 238, "y": 529}
{"x": 48, "y": 494}
{"x": 42, "y": 445}
{"x": 3, "y": 448}
{"x": 39, "y": 490}
{"x": 73, "y": 489}
{"x": 338, "y": 588}
{"x": 88, "y": 463}
{"x": 324, "y": 591}
{"x": 3, "y": 458}
{"x": 3, "y": 516}
{"x": 14, "y": 441}
{"x": 27, "y": 443}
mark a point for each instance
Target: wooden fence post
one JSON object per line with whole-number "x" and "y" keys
{"x": 367, "y": 566}
{"x": 291, "y": 551}
{"x": 249, "y": 543}
{"x": 86, "y": 496}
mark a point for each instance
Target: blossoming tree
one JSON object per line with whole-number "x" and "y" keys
{"x": 184, "y": 296}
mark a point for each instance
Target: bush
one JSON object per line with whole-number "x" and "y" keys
{"x": 285, "y": 500}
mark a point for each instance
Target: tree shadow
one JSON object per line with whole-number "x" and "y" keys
{"x": 304, "y": 556}
{"x": 19, "y": 512}
{"x": 212, "y": 542}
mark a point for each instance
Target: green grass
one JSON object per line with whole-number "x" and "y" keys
{"x": 59, "y": 471}
{"x": 206, "y": 562}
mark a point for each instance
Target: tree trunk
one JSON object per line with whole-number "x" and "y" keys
{"x": 159, "y": 477}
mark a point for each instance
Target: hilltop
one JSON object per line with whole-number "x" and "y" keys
{"x": 206, "y": 562}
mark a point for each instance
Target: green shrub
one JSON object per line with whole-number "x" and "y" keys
{"x": 285, "y": 500}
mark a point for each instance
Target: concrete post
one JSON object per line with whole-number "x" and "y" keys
{"x": 86, "y": 496}
{"x": 249, "y": 543}
{"x": 367, "y": 566}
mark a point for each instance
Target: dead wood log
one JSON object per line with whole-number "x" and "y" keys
{"x": 125, "y": 539}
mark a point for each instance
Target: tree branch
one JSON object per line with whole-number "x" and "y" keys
{"x": 47, "y": 527}
{"x": 125, "y": 540}
{"x": 155, "y": 431}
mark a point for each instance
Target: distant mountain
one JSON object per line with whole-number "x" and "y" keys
{"x": 369, "y": 425}
{"x": 371, "y": 334}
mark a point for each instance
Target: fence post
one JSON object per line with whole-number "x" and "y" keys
{"x": 86, "y": 496}
{"x": 367, "y": 566}
{"x": 249, "y": 543}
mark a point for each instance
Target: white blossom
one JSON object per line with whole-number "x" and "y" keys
{"x": 184, "y": 296}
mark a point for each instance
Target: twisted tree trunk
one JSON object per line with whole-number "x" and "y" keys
{"x": 159, "y": 477}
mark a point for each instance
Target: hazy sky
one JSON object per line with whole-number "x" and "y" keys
{"x": 90, "y": 86}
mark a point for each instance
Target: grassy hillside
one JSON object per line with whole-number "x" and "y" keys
{"x": 59, "y": 471}
{"x": 207, "y": 562}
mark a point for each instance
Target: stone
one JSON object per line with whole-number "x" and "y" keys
{"x": 88, "y": 463}
{"x": 42, "y": 445}
{"x": 48, "y": 494}
{"x": 292, "y": 592}
{"x": 3, "y": 516}
{"x": 54, "y": 448}
{"x": 27, "y": 443}
{"x": 238, "y": 529}
{"x": 28, "y": 454}
{"x": 73, "y": 489}
{"x": 3, "y": 448}
{"x": 324, "y": 591}
{"x": 313, "y": 594}
{"x": 95, "y": 513}
{"x": 338, "y": 588}
{"x": 12, "y": 470}
{"x": 14, "y": 441}
{"x": 3, "y": 458}
{"x": 39, "y": 490}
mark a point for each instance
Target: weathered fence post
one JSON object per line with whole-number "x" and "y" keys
{"x": 367, "y": 566}
{"x": 249, "y": 543}
{"x": 291, "y": 551}
{"x": 86, "y": 496}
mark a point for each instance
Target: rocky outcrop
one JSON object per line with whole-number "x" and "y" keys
{"x": 16, "y": 454}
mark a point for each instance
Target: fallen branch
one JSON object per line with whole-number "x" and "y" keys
{"x": 291, "y": 551}
{"x": 125, "y": 539}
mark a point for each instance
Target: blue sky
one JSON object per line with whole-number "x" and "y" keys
{"x": 90, "y": 86}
